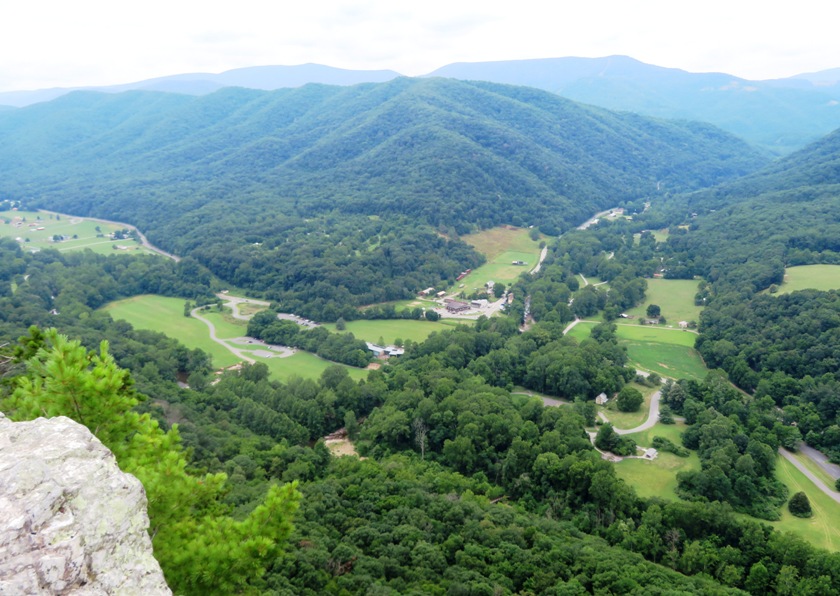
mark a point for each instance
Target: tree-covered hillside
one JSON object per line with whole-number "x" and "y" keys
{"x": 448, "y": 152}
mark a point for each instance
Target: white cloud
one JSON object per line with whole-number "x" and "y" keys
{"x": 94, "y": 42}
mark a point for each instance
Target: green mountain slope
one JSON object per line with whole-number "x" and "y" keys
{"x": 449, "y": 152}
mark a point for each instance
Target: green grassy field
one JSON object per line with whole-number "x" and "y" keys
{"x": 823, "y": 529}
{"x": 501, "y": 246}
{"x": 658, "y": 477}
{"x": 166, "y": 315}
{"x": 306, "y": 365}
{"x": 621, "y": 419}
{"x": 392, "y": 329}
{"x": 816, "y": 277}
{"x": 667, "y": 352}
{"x": 64, "y": 225}
{"x": 674, "y": 296}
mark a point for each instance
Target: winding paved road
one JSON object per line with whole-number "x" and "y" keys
{"x": 820, "y": 458}
{"x": 652, "y": 419}
{"x": 236, "y": 352}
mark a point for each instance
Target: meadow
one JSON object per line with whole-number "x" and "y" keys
{"x": 501, "y": 246}
{"x": 390, "y": 330}
{"x": 667, "y": 352}
{"x": 84, "y": 230}
{"x": 658, "y": 477}
{"x": 621, "y": 419}
{"x": 166, "y": 315}
{"x": 674, "y": 296}
{"x": 823, "y": 528}
{"x": 811, "y": 277}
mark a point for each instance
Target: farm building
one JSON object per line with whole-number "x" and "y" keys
{"x": 441, "y": 294}
{"x": 683, "y": 324}
{"x": 427, "y": 291}
{"x": 456, "y": 306}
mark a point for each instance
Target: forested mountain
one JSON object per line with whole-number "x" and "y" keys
{"x": 445, "y": 151}
{"x": 274, "y": 190}
{"x": 780, "y": 116}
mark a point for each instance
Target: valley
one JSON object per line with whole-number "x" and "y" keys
{"x": 491, "y": 452}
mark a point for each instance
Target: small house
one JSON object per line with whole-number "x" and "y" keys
{"x": 683, "y": 324}
{"x": 602, "y": 399}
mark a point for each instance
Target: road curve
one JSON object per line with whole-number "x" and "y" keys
{"x": 652, "y": 419}
{"x": 817, "y": 482}
{"x": 216, "y": 339}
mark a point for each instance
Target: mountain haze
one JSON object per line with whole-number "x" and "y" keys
{"x": 777, "y": 115}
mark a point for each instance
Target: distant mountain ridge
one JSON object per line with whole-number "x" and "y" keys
{"x": 779, "y": 115}
{"x": 267, "y": 78}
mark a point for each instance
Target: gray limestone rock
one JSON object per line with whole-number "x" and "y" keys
{"x": 71, "y": 522}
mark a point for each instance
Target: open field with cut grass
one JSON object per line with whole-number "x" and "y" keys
{"x": 166, "y": 315}
{"x": 658, "y": 477}
{"x": 392, "y": 329}
{"x": 674, "y": 296}
{"x": 667, "y": 352}
{"x": 493, "y": 242}
{"x": 811, "y": 277}
{"x": 823, "y": 529}
{"x": 306, "y": 365}
{"x": 66, "y": 226}
{"x": 621, "y": 419}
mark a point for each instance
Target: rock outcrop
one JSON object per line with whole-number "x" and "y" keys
{"x": 71, "y": 522}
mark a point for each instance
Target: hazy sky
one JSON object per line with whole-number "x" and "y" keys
{"x": 45, "y": 43}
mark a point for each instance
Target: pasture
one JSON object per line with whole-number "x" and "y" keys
{"x": 658, "y": 477}
{"x": 823, "y": 528}
{"x": 811, "y": 277}
{"x": 621, "y": 419}
{"x": 166, "y": 315}
{"x": 674, "y": 296}
{"x": 667, "y": 352}
{"x": 391, "y": 329}
{"x": 79, "y": 233}
{"x": 501, "y": 245}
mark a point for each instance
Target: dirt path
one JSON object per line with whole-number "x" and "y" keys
{"x": 817, "y": 482}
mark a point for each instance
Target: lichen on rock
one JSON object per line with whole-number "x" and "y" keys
{"x": 71, "y": 521}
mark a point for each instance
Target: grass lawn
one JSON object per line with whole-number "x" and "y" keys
{"x": 64, "y": 225}
{"x": 621, "y": 419}
{"x": 674, "y": 296}
{"x": 493, "y": 242}
{"x": 668, "y": 352}
{"x": 391, "y": 329}
{"x": 306, "y": 365}
{"x": 816, "y": 277}
{"x": 226, "y": 326}
{"x": 166, "y": 315}
{"x": 814, "y": 468}
{"x": 823, "y": 529}
{"x": 658, "y": 477}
